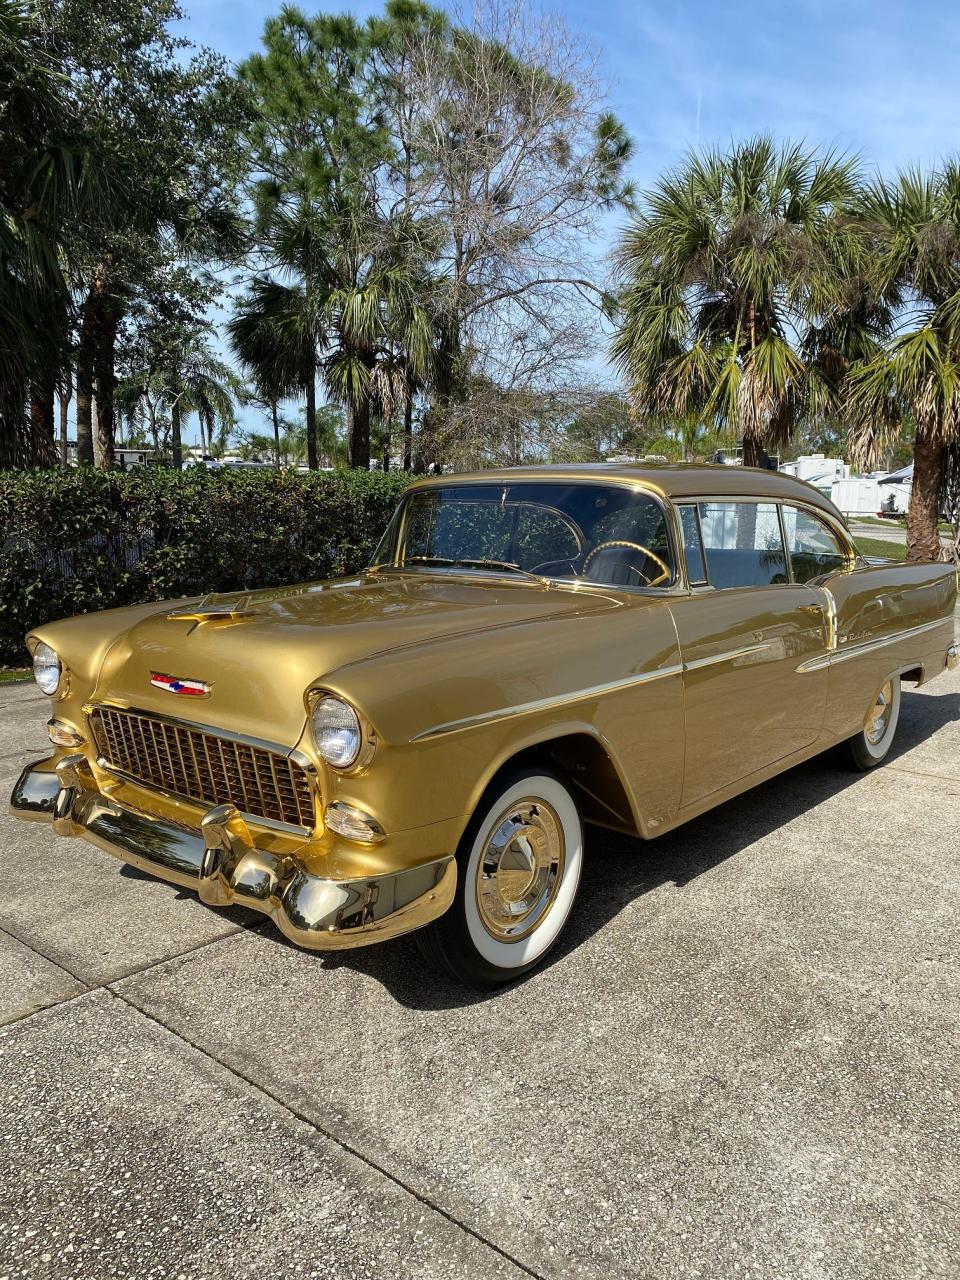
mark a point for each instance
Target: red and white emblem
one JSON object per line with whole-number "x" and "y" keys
{"x": 174, "y": 684}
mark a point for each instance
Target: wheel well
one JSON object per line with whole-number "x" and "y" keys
{"x": 599, "y": 788}
{"x": 915, "y": 674}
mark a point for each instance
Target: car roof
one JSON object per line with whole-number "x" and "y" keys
{"x": 672, "y": 480}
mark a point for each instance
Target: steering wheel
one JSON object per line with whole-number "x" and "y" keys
{"x": 663, "y": 576}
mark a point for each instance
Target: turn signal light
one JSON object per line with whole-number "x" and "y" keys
{"x": 64, "y": 735}
{"x": 353, "y": 823}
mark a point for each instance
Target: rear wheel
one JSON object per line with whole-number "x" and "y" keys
{"x": 871, "y": 746}
{"x": 518, "y": 869}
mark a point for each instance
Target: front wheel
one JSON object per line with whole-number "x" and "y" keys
{"x": 518, "y": 869}
{"x": 871, "y": 746}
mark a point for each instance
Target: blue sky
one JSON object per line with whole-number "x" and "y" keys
{"x": 880, "y": 79}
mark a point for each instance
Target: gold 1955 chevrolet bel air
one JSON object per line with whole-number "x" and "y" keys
{"x": 418, "y": 747}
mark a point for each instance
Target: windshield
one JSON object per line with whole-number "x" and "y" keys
{"x": 605, "y": 534}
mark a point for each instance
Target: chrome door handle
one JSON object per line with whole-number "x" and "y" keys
{"x": 810, "y": 608}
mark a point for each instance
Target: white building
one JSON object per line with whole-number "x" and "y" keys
{"x": 817, "y": 469}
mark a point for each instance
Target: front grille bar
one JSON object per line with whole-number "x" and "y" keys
{"x": 201, "y": 765}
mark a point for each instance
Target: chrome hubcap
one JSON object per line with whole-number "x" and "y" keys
{"x": 520, "y": 870}
{"x": 878, "y": 718}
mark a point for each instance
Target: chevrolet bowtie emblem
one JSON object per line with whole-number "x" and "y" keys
{"x": 176, "y": 684}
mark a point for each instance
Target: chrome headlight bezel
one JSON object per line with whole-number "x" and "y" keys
{"x": 341, "y": 736}
{"x": 47, "y": 668}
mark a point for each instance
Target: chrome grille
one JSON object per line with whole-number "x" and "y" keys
{"x": 201, "y": 766}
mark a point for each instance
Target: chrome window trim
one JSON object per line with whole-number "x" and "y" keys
{"x": 843, "y": 538}
{"x": 667, "y": 506}
{"x": 811, "y": 508}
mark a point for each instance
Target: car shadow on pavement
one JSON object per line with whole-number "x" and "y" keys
{"x": 618, "y": 869}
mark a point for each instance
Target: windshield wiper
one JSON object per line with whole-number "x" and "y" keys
{"x": 468, "y": 562}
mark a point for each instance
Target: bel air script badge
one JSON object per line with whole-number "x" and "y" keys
{"x": 173, "y": 684}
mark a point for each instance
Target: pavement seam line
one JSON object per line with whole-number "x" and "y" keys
{"x": 922, "y": 773}
{"x": 4, "y": 928}
{"x": 319, "y": 1129}
{"x": 105, "y": 985}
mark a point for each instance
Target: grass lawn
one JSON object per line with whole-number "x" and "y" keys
{"x": 879, "y": 547}
{"x": 943, "y": 525}
{"x": 10, "y": 675}
{"x": 881, "y": 524}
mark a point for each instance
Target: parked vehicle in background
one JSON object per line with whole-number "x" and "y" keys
{"x": 419, "y": 746}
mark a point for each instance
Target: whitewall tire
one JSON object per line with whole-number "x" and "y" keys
{"x": 872, "y": 744}
{"x": 518, "y": 870}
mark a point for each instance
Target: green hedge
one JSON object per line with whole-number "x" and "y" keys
{"x": 78, "y": 540}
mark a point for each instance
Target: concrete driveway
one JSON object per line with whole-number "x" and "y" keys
{"x": 744, "y": 1060}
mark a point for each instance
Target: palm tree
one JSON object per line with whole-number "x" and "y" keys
{"x": 382, "y": 333}
{"x": 46, "y": 180}
{"x": 913, "y": 379}
{"x": 273, "y": 338}
{"x": 179, "y": 374}
{"x": 732, "y": 260}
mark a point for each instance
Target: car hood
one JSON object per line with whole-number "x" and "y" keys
{"x": 259, "y": 660}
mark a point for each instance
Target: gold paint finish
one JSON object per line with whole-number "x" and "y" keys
{"x": 658, "y": 702}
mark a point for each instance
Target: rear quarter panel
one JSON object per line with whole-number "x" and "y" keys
{"x": 890, "y": 618}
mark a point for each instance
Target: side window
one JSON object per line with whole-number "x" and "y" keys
{"x": 743, "y": 544}
{"x": 814, "y": 548}
{"x": 693, "y": 545}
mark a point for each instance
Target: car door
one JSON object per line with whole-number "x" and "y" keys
{"x": 745, "y": 632}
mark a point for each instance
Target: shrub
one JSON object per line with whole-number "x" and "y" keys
{"x": 78, "y": 540}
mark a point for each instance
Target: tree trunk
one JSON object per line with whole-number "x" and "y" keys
{"x": 84, "y": 406}
{"x": 41, "y": 426}
{"x": 358, "y": 439}
{"x": 313, "y": 461}
{"x": 752, "y": 451}
{"x": 923, "y": 537}
{"x": 65, "y": 396}
{"x": 99, "y": 335}
{"x": 408, "y": 432}
{"x": 175, "y": 442}
{"x": 276, "y": 430}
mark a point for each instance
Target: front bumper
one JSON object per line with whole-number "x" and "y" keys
{"x": 223, "y": 865}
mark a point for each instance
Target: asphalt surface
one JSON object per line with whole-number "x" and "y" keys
{"x": 743, "y": 1061}
{"x": 889, "y": 531}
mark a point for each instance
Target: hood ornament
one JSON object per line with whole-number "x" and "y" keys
{"x": 175, "y": 684}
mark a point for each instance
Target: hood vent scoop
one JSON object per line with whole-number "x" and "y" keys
{"x": 211, "y": 612}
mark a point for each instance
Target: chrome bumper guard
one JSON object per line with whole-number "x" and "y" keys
{"x": 224, "y": 866}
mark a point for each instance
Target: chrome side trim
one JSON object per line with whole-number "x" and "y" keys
{"x": 869, "y": 646}
{"x": 560, "y": 700}
{"x": 730, "y": 656}
{"x": 831, "y": 619}
{"x": 544, "y": 704}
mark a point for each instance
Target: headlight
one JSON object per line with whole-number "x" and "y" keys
{"x": 336, "y": 731}
{"x": 46, "y": 668}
